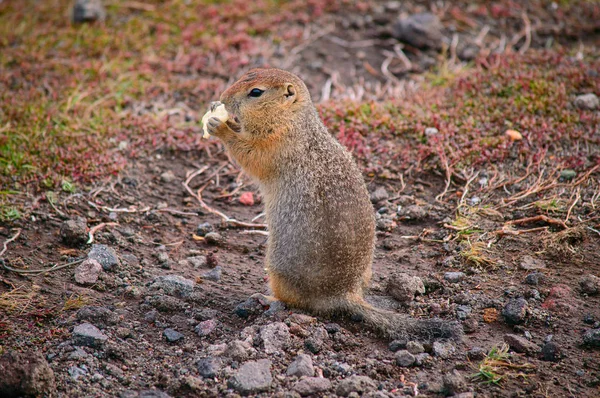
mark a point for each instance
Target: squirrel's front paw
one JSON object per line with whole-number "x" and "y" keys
{"x": 216, "y": 127}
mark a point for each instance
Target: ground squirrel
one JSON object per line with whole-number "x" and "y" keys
{"x": 320, "y": 219}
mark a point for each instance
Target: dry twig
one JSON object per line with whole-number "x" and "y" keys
{"x": 11, "y": 239}
{"x": 98, "y": 227}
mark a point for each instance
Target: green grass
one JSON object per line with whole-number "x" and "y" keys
{"x": 498, "y": 365}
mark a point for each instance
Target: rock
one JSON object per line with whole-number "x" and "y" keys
{"x": 209, "y": 367}
{"x": 275, "y": 308}
{"x": 213, "y": 275}
{"x": 529, "y": 263}
{"x": 206, "y": 327}
{"x": 422, "y": 30}
{"x": 198, "y": 261}
{"x": 443, "y": 350}
{"x": 77, "y": 354}
{"x": 414, "y": 347}
{"x": 422, "y": 358}
{"x": 515, "y": 311}
{"x": 588, "y": 102}
{"x": 379, "y": 195}
{"x": 405, "y": 358}
{"x": 144, "y": 394}
{"x": 168, "y": 177}
{"x": 355, "y": 384}
{"x": 214, "y": 238}
{"x": 550, "y": 352}
{"x": 252, "y": 377}
{"x": 25, "y": 374}
{"x": 123, "y": 333}
{"x": 74, "y": 232}
{"x": 592, "y": 338}
{"x": 463, "y": 311}
{"x": 312, "y": 386}
{"x": 535, "y": 278}
{"x": 567, "y": 175}
{"x": 454, "y": 277}
{"x": 332, "y": 328}
{"x": 247, "y": 199}
{"x": 87, "y": 272}
{"x": 172, "y": 335}
{"x": 413, "y": 213}
{"x": 249, "y": 307}
{"x": 106, "y": 256}
{"x": 454, "y": 382}
{"x": 237, "y": 350}
{"x": 204, "y": 228}
{"x": 76, "y": 372}
{"x": 404, "y": 287}
{"x": 396, "y": 345}
{"x": 174, "y": 285}
{"x": 101, "y": 316}
{"x": 476, "y": 354}
{"x": 430, "y": 131}
{"x": 521, "y": 344}
{"x": 88, "y": 335}
{"x": 275, "y": 337}
{"x": 589, "y": 284}
{"x": 301, "y": 366}
{"x": 162, "y": 257}
{"x": 559, "y": 298}
{"x": 316, "y": 341}
{"x": 88, "y": 11}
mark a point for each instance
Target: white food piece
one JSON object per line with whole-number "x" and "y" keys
{"x": 220, "y": 113}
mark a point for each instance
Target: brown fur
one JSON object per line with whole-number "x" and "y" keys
{"x": 321, "y": 221}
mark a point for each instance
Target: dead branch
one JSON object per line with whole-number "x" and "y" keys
{"x": 98, "y": 227}
{"x": 11, "y": 239}
{"x": 577, "y": 197}
{"x": 444, "y": 161}
{"x": 507, "y": 231}
{"x": 198, "y": 196}
{"x": 41, "y": 271}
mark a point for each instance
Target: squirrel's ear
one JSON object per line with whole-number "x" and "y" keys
{"x": 290, "y": 92}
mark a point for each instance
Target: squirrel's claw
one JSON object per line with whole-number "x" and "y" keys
{"x": 213, "y": 105}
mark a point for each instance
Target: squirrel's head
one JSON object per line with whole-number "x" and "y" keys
{"x": 264, "y": 98}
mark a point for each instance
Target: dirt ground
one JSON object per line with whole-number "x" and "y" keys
{"x": 509, "y": 248}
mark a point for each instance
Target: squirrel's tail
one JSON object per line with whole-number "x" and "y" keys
{"x": 397, "y": 326}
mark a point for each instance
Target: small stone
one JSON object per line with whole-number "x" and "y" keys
{"x": 355, "y": 384}
{"x": 302, "y": 319}
{"x": 88, "y": 335}
{"x": 172, "y": 335}
{"x": 275, "y": 337}
{"x": 301, "y": 366}
{"x": 123, "y": 333}
{"x": 316, "y": 341}
{"x": 162, "y": 257}
{"x": 588, "y": 102}
{"x": 413, "y": 213}
{"x": 209, "y": 367}
{"x": 396, "y": 345}
{"x": 206, "y": 327}
{"x": 521, "y": 344}
{"x": 443, "y": 350}
{"x": 405, "y": 358}
{"x": 470, "y": 325}
{"x": 333, "y": 328}
{"x": 567, "y": 175}
{"x": 530, "y": 263}
{"x": 198, "y": 261}
{"x": 77, "y": 354}
{"x": 106, "y": 256}
{"x": 414, "y": 347}
{"x": 214, "y": 238}
{"x": 88, "y": 11}
{"x": 312, "y": 385}
{"x": 247, "y": 199}
{"x": 87, "y": 272}
{"x": 101, "y": 316}
{"x": 550, "y": 352}
{"x": 237, "y": 350}
{"x": 174, "y": 285}
{"x": 213, "y": 275}
{"x": 463, "y": 312}
{"x": 249, "y": 307}
{"x": 476, "y": 354}
{"x": 589, "y": 284}
{"x": 422, "y": 30}
{"x": 404, "y": 287}
{"x": 167, "y": 177}
{"x": 379, "y": 195}
{"x": 454, "y": 382}
{"x": 76, "y": 372}
{"x": 150, "y": 316}
{"x": 431, "y": 131}
{"x": 592, "y": 338}
{"x": 422, "y": 358}
{"x": 74, "y": 232}
{"x": 454, "y": 277}
{"x": 252, "y": 377}
{"x": 535, "y": 278}
{"x": 25, "y": 374}
{"x": 515, "y": 311}
{"x": 204, "y": 228}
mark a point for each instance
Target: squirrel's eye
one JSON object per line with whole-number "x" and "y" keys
{"x": 256, "y": 92}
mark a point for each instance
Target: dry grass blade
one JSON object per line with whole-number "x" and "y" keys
{"x": 11, "y": 239}
{"x": 477, "y": 254}
{"x": 17, "y": 300}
